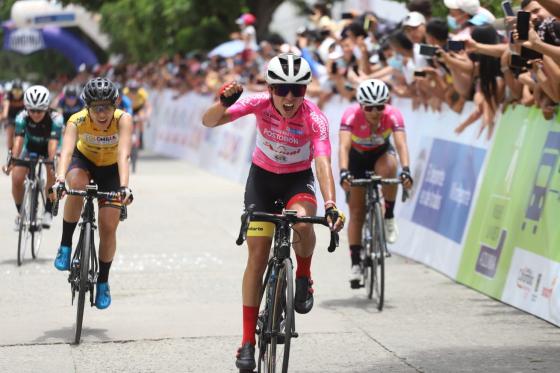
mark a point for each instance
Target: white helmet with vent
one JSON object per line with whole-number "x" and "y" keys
{"x": 37, "y": 97}
{"x": 288, "y": 68}
{"x": 372, "y": 92}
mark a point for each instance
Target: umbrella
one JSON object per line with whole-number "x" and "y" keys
{"x": 228, "y": 49}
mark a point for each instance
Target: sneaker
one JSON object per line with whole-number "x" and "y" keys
{"x": 391, "y": 230}
{"x": 47, "y": 220}
{"x": 102, "y": 295}
{"x": 355, "y": 276}
{"x": 62, "y": 261}
{"x": 246, "y": 358}
{"x": 303, "y": 302}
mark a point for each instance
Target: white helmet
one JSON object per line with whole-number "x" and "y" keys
{"x": 288, "y": 68}
{"x": 37, "y": 97}
{"x": 372, "y": 92}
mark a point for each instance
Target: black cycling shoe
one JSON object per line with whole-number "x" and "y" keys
{"x": 303, "y": 302}
{"x": 246, "y": 358}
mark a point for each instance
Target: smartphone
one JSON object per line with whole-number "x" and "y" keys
{"x": 420, "y": 73}
{"x": 334, "y": 68}
{"x": 518, "y": 61}
{"x": 347, "y": 15}
{"x": 455, "y": 45}
{"x": 507, "y": 8}
{"x": 523, "y": 19}
{"x": 530, "y": 54}
{"x": 427, "y": 50}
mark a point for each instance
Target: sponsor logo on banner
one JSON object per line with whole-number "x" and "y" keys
{"x": 26, "y": 40}
{"x": 489, "y": 257}
{"x": 533, "y": 285}
{"x": 448, "y": 185}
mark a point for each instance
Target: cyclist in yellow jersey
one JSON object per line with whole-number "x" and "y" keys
{"x": 140, "y": 107}
{"x": 96, "y": 146}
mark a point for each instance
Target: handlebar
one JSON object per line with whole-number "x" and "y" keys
{"x": 92, "y": 192}
{"x": 378, "y": 180}
{"x": 249, "y": 215}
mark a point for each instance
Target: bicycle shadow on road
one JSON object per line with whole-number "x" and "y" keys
{"x": 356, "y": 301}
{"x": 13, "y": 262}
{"x": 66, "y": 335}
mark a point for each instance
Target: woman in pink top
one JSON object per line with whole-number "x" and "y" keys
{"x": 291, "y": 133}
{"x": 364, "y": 146}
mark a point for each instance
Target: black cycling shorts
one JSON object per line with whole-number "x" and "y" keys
{"x": 106, "y": 177}
{"x": 360, "y": 162}
{"x": 263, "y": 188}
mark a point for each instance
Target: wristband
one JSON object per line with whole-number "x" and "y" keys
{"x": 406, "y": 169}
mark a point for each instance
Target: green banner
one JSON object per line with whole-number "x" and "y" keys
{"x": 519, "y": 201}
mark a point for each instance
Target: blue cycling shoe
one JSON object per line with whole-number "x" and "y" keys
{"x": 62, "y": 261}
{"x": 102, "y": 295}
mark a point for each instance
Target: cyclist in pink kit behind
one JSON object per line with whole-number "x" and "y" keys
{"x": 291, "y": 133}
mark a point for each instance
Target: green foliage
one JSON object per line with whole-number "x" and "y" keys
{"x": 33, "y": 67}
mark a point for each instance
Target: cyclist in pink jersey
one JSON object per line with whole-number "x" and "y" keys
{"x": 291, "y": 133}
{"x": 364, "y": 146}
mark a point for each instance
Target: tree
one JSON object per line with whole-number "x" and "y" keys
{"x": 440, "y": 10}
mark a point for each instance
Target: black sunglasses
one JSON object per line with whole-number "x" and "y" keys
{"x": 282, "y": 90}
{"x": 33, "y": 111}
{"x": 370, "y": 108}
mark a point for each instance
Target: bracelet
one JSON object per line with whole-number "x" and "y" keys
{"x": 330, "y": 202}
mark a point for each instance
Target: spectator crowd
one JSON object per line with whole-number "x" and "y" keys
{"x": 472, "y": 55}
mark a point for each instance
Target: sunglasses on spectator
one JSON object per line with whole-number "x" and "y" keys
{"x": 282, "y": 90}
{"x": 101, "y": 108}
{"x": 370, "y": 108}
{"x": 33, "y": 111}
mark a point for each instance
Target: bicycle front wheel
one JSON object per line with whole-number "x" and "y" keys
{"x": 83, "y": 284}
{"x": 379, "y": 250}
{"x": 24, "y": 234}
{"x": 281, "y": 319}
{"x": 38, "y": 209}
{"x": 368, "y": 264}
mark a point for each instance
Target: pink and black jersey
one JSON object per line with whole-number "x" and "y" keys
{"x": 285, "y": 145}
{"x": 363, "y": 137}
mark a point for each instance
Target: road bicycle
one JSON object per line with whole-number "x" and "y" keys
{"x": 372, "y": 258}
{"x": 84, "y": 264}
{"x": 276, "y": 324}
{"x": 33, "y": 205}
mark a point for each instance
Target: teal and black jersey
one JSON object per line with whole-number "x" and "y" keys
{"x": 37, "y": 135}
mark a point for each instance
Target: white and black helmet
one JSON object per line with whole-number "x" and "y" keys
{"x": 37, "y": 97}
{"x": 372, "y": 92}
{"x": 288, "y": 68}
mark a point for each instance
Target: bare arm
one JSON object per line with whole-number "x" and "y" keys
{"x": 18, "y": 146}
{"x": 68, "y": 144}
{"x": 52, "y": 146}
{"x": 402, "y": 147}
{"x": 216, "y": 115}
{"x": 125, "y": 144}
{"x": 493, "y": 50}
{"x": 345, "y": 142}
{"x": 325, "y": 177}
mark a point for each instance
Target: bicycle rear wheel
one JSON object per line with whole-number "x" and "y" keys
{"x": 38, "y": 209}
{"x": 276, "y": 354}
{"x": 379, "y": 250}
{"x": 24, "y": 235}
{"x": 83, "y": 286}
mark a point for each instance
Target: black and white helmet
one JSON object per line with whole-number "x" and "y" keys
{"x": 99, "y": 89}
{"x": 37, "y": 97}
{"x": 288, "y": 68}
{"x": 372, "y": 92}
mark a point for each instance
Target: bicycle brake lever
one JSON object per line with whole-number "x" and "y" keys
{"x": 243, "y": 231}
{"x": 334, "y": 242}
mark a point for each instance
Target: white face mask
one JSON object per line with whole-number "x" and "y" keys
{"x": 452, "y": 23}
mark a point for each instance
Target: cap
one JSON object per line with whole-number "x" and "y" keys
{"x": 414, "y": 19}
{"x": 467, "y": 6}
{"x": 246, "y": 19}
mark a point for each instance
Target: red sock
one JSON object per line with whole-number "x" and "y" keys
{"x": 303, "y": 266}
{"x": 250, "y": 315}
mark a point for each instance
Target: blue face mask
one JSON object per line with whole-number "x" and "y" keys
{"x": 395, "y": 62}
{"x": 452, "y": 23}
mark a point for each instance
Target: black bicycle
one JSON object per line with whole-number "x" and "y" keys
{"x": 33, "y": 205}
{"x": 84, "y": 264}
{"x": 372, "y": 263}
{"x": 276, "y": 325}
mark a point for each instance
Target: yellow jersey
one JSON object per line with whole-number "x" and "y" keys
{"x": 99, "y": 146}
{"x": 138, "y": 99}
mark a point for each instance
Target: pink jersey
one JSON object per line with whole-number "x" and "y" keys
{"x": 363, "y": 138}
{"x": 285, "y": 145}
